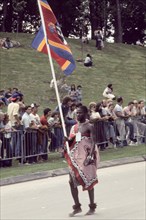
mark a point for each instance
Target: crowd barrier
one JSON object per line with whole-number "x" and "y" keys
{"x": 28, "y": 145}
{"x": 23, "y": 145}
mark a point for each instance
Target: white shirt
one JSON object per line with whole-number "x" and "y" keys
{"x": 87, "y": 60}
{"x": 107, "y": 91}
{"x": 118, "y": 108}
{"x": 35, "y": 118}
{"x": 8, "y": 129}
{"x": 26, "y": 120}
{"x": 95, "y": 115}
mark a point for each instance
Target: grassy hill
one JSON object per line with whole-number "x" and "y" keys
{"x": 120, "y": 64}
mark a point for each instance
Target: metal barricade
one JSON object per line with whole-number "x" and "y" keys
{"x": 100, "y": 134}
{"x": 11, "y": 146}
{"x": 23, "y": 145}
{"x": 139, "y": 129}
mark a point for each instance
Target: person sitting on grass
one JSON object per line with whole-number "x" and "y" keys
{"x": 88, "y": 61}
{"x": 108, "y": 92}
{"x": 7, "y": 44}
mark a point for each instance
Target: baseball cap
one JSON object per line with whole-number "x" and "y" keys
{"x": 19, "y": 94}
{"x": 34, "y": 105}
{"x": 14, "y": 96}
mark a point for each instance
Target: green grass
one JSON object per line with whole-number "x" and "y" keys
{"x": 120, "y": 64}
{"x": 56, "y": 162}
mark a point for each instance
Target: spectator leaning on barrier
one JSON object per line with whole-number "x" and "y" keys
{"x": 13, "y": 110}
{"x": 34, "y": 116}
{"x": 21, "y": 104}
{"x": 71, "y": 113}
{"x": 14, "y": 116}
{"x": 141, "y": 109}
{"x": 8, "y": 129}
{"x": 45, "y": 122}
{"x": 42, "y": 130}
{"x": 35, "y": 121}
{"x": 45, "y": 116}
{"x": 120, "y": 122}
{"x": 55, "y": 122}
{"x": 26, "y": 119}
{"x": 93, "y": 115}
{"x": 141, "y": 115}
{"x": 108, "y": 125}
{"x": 29, "y": 135}
{"x": 66, "y": 103}
{"x": 99, "y": 118}
{"x": 129, "y": 123}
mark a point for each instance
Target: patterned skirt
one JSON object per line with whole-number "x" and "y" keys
{"x": 80, "y": 173}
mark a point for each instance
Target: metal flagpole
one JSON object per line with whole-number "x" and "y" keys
{"x": 54, "y": 77}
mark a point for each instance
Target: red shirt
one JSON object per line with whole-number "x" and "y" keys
{"x": 43, "y": 120}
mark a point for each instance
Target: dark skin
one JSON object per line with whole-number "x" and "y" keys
{"x": 81, "y": 118}
{"x": 84, "y": 128}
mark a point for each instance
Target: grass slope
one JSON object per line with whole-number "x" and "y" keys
{"x": 29, "y": 70}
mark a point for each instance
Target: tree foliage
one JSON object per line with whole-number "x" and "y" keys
{"x": 126, "y": 17}
{"x": 133, "y": 20}
{"x": 18, "y": 15}
{"x": 67, "y": 12}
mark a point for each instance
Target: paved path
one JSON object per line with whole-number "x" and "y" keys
{"x": 120, "y": 195}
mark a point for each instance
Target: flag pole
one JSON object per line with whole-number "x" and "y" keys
{"x": 53, "y": 75}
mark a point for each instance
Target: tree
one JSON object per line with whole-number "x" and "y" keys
{"x": 128, "y": 20}
{"x": 19, "y": 9}
{"x": 82, "y": 22}
{"x": 126, "y": 17}
{"x": 133, "y": 20}
{"x": 118, "y": 23}
{"x": 96, "y": 15}
{"x": 6, "y": 16}
{"x": 16, "y": 15}
{"x": 66, "y": 12}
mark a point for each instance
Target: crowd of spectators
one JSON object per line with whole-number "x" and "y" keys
{"x": 29, "y": 137}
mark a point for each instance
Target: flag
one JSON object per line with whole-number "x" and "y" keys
{"x": 59, "y": 48}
